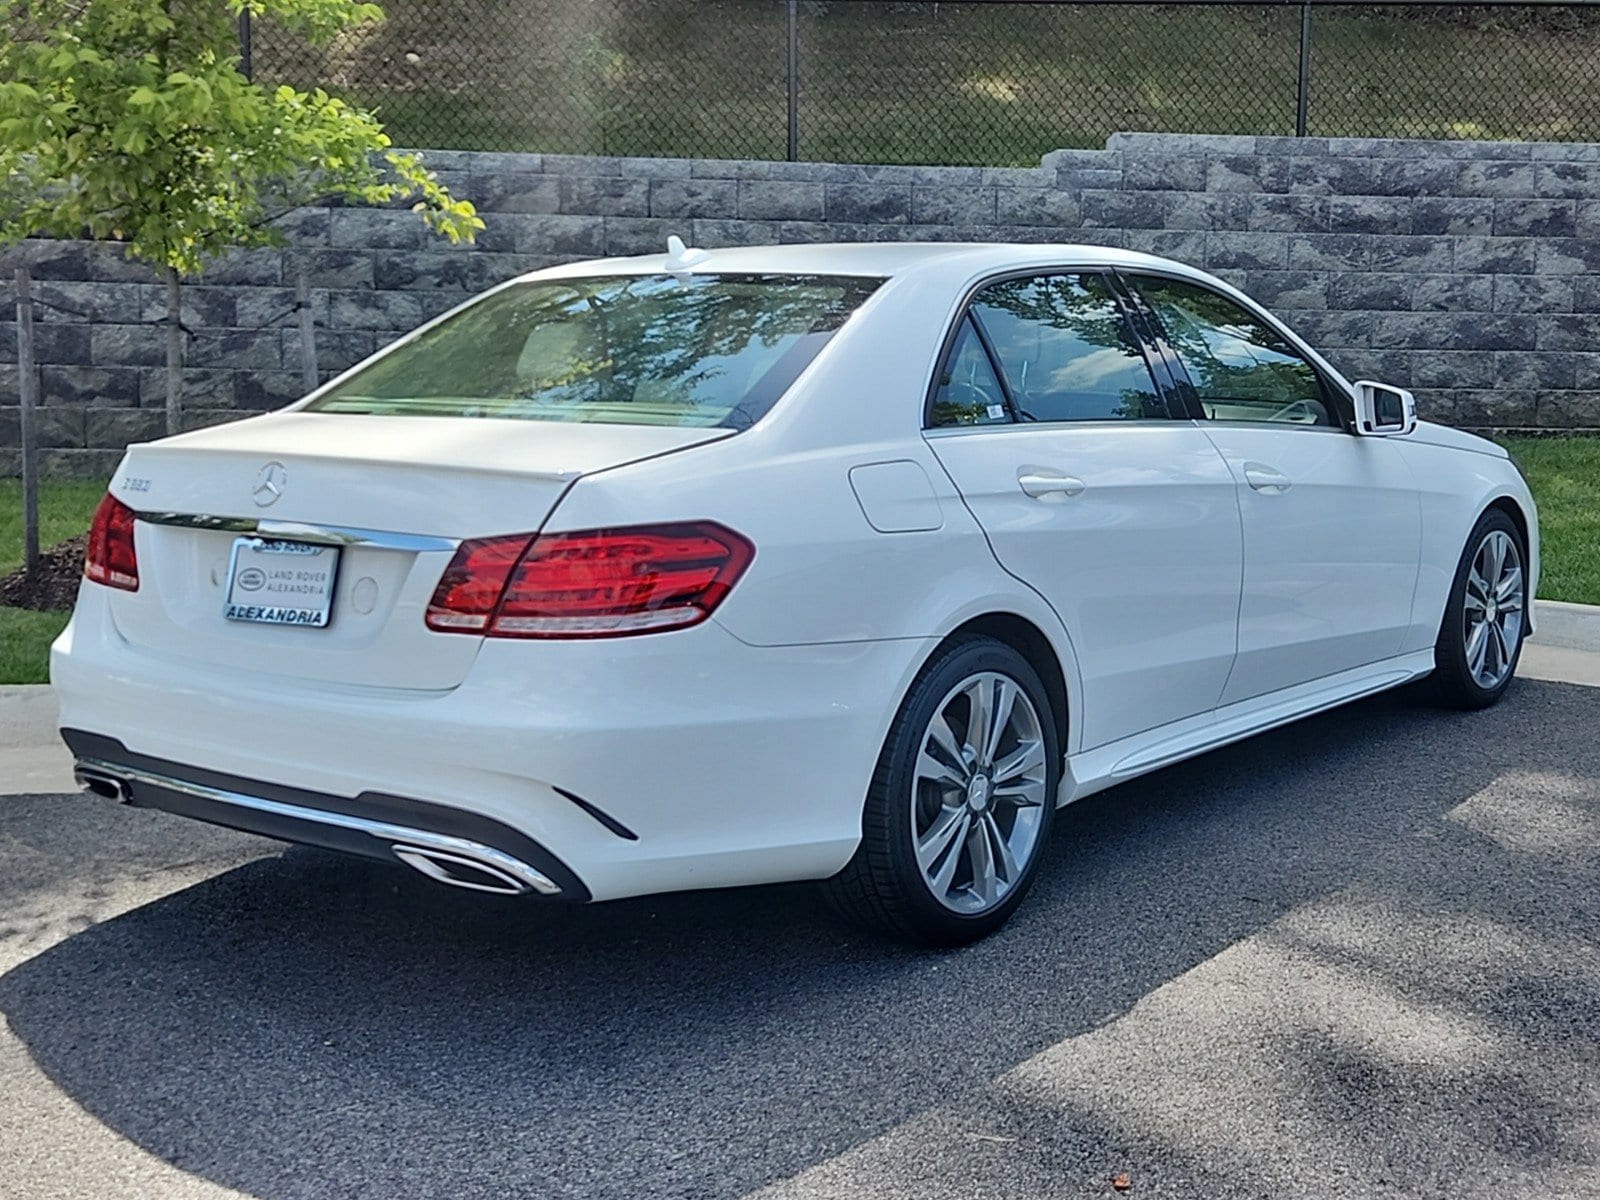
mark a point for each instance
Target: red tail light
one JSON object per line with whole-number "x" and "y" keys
{"x": 598, "y": 583}
{"x": 109, "y": 557}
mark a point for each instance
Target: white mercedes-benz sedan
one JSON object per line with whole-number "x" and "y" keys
{"x": 846, "y": 563}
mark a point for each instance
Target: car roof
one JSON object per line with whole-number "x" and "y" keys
{"x": 877, "y": 259}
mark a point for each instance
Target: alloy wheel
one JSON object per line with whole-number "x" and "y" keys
{"x": 1493, "y": 609}
{"x": 978, "y": 793}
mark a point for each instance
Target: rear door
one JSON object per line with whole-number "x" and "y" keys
{"x": 1046, "y": 416}
{"x": 1332, "y": 521}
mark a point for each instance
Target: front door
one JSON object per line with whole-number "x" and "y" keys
{"x": 1125, "y": 519}
{"x": 1332, "y": 521}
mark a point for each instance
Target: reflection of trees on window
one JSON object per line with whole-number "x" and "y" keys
{"x": 703, "y": 350}
{"x": 1067, "y": 350}
{"x": 1241, "y": 367}
{"x": 968, "y": 392}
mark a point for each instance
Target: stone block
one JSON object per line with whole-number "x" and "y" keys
{"x": 711, "y": 233}
{"x": 1568, "y": 331}
{"x": 1247, "y": 173}
{"x": 1577, "y": 409}
{"x": 589, "y": 195}
{"x": 125, "y": 346}
{"x": 1369, "y": 214}
{"x": 1535, "y": 218}
{"x": 1567, "y": 180}
{"x": 768, "y": 201}
{"x": 1452, "y": 293}
{"x": 1370, "y": 291}
{"x": 1496, "y": 179}
{"x": 1289, "y": 290}
{"x": 517, "y": 192}
{"x": 98, "y": 386}
{"x": 1470, "y": 215}
{"x": 640, "y": 235}
{"x": 1494, "y": 256}
{"x": 1111, "y": 210}
{"x": 1535, "y": 369}
{"x": 693, "y": 198}
{"x": 868, "y": 203}
{"x": 1533, "y": 294}
{"x": 203, "y": 387}
{"x": 1433, "y": 255}
{"x": 1164, "y": 172}
{"x": 1249, "y": 251}
{"x": 1329, "y": 252}
{"x": 1050, "y": 207}
{"x": 932, "y": 205}
{"x": 1299, "y": 214}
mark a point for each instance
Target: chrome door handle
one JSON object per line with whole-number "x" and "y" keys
{"x": 1043, "y": 485}
{"x": 1265, "y": 479}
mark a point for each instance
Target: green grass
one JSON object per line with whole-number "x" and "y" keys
{"x": 1564, "y": 473}
{"x": 65, "y": 507}
{"x": 992, "y": 84}
{"x": 25, "y": 639}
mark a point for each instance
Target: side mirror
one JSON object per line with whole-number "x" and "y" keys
{"x": 1383, "y": 411}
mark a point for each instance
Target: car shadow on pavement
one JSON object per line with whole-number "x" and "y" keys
{"x": 310, "y": 1025}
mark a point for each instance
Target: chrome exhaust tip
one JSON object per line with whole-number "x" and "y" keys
{"x": 102, "y": 783}
{"x": 505, "y": 876}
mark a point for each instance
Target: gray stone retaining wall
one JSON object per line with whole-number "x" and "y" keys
{"x": 1468, "y": 271}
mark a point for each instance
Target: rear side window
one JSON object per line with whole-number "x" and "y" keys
{"x": 969, "y": 392}
{"x": 700, "y": 350}
{"x": 1066, "y": 350}
{"x": 1242, "y": 369}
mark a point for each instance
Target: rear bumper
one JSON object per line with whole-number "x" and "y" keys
{"x": 675, "y": 761}
{"x": 456, "y": 847}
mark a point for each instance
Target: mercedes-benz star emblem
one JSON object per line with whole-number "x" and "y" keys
{"x": 269, "y": 484}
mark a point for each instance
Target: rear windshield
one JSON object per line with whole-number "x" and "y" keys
{"x": 694, "y": 350}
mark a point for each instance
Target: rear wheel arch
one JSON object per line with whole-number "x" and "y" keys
{"x": 1028, "y": 640}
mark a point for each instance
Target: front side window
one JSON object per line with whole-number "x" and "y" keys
{"x": 1242, "y": 368}
{"x": 1066, "y": 350}
{"x": 698, "y": 350}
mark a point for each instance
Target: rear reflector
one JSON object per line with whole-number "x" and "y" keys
{"x": 597, "y": 583}
{"x": 110, "y": 558}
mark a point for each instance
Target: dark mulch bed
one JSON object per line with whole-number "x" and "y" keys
{"x": 53, "y": 582}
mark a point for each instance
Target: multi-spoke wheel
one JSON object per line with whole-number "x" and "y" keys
{"x": 978, "y": 797}
{"x": 1481, "y": 637}
{"x": 961, "y": 802}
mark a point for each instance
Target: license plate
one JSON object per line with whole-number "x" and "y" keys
{"x": 277, "y": 582}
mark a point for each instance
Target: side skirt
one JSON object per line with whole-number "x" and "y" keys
{"x": 1106, "y": 766}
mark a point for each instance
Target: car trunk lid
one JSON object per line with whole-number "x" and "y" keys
{"x": 393, "y": 495}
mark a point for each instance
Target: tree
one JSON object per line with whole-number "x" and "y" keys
{"x": 130, "y": 121}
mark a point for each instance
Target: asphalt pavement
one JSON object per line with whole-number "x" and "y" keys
{"x": 1358, "y": 956}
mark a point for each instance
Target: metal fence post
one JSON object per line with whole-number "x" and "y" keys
{"x": 794, "y": 80}
{"x": 28, "y": 389}
{"x": 245, "y": 64}
{"x": 1303, "y": 84}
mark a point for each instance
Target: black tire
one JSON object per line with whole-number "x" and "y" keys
{"x": 883, "y": 887}
{"x": 1453, "y": 684}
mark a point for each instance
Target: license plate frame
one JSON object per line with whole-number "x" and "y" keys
{"x": 271, "y": 581}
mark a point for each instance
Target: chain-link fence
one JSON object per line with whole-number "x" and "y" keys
{"x": 991, "y": 82}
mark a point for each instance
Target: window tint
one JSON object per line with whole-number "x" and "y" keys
{"x": 968, "y": 392}
{"x": 702, "y": 350}
{"x": 1241, "y": 368}
{"x": 1066, "y": 350}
